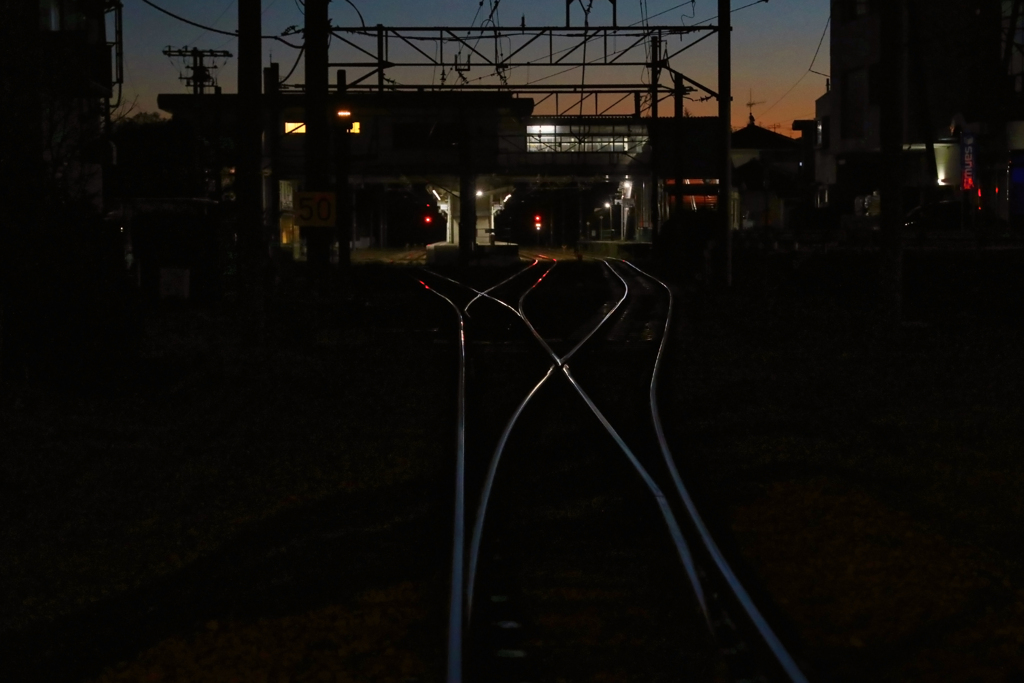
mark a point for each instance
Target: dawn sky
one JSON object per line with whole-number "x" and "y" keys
{"x": 773, "y": 43}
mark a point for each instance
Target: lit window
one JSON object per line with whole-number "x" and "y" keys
{"x": 355, "y": 129}
{"x": 294, "y": 127}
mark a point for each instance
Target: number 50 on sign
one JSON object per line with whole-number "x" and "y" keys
{"x": 315, "y": 209}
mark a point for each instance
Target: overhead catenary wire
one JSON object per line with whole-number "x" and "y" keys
{"x": 810, "y": 69}
{"x": 542, "y": 61}
{"x": 220, "y": 16}
{"x": 361, "y": 20}
{"x": 298, "y": 59}
{"x": 211, "y": 29}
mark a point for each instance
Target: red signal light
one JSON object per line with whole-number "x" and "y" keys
{"x": 536, "y": 218}
{"x": 427, "y": 219}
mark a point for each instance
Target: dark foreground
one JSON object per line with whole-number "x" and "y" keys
{"x": 229, "y": 508}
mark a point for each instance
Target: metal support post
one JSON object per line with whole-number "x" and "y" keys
{"x": 467, "y": 217}
{"x": 318, "y": 132}
{"x": 725, "y": 118}
{"x": 380, "y": 58}
{"x": 679, "y": 87}
{"x": 271, "y": 145}
{"x": 655, "y": 204}
{"x": 252, "y": 245}
{"x": 891, "y": 134}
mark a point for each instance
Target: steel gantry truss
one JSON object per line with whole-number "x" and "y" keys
{"x": 489, "y": 58}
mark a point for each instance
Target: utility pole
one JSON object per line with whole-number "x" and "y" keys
{"x": 893, "y": 78}
{"x": 467, "y": 192}
{"x": 271, "y": 151}
{"x": 655, "y": 203}
{"x": 318, "y": 132}
{"x": 679, "y": 86}
{"x": 252, "y": 246}
{"x": 725, "y": 118}
{"x": 21, "y": 167}
{"x": 922, "y": 100}
{"x": 342, "y": 157}
{"x": 201, "y": 74}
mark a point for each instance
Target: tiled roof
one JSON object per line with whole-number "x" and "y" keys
{"x": 755, "y": 137}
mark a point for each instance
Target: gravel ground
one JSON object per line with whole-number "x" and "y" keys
{"x": 867, "y": 482}
{"x": 867, "y": 485}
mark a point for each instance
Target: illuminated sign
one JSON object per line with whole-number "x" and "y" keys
{"x": 968, "y": 158}
{"x": 315, "y": 209}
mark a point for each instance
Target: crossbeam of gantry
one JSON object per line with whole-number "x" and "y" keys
{"x": 466, "y": 56}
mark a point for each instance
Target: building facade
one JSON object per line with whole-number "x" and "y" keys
{"x": 961, "y": 80}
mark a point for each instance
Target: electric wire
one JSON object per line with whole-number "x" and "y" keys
{"x": 361, "y": 20}
{"x": 810, "y": 69}
{"x": 302, "y": 51}
{"x": 643, "y": 21}
{"x": 219, "y": 17}
{"x": 211, "y": 29}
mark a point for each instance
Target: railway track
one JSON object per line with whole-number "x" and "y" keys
{"x": 578, "y": 552}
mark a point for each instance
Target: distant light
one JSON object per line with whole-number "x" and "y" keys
{"x": 344, "y": 113}
{"x": 507, "y": 197}
{"x": 538, "y": 226}
{"x": 436, "y": 195}
{"x": 479, "y": 193}
{"x": 356, "y": 129}
{"x": 607, "y": 205}
{"x": 627, "y": 184}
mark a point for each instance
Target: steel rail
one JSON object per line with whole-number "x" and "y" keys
{"x": 491, "y": 289}
{"x": 455, "y": 620}
{"x": 782, "y": 656}
{"x": 685, "y": 556}
{"x": 486, "y": 293}
{"x": 492, "y": 467}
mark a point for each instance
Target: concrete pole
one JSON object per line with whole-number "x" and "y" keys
{"x": 655, "y": 204}
{"x": 467, "y": 190}
{"x": 21, "y": 167}
{"x": 891, "y": 180}
{"x": 318, "y": 132}
{"x": 342, "y": 191}
{"x": 271, "y": 146}
{"x": 467, "y": 216}
{"x": 680, "y": 93}
{"x": 725, "y": 117}
{"x": 252, "y": 242}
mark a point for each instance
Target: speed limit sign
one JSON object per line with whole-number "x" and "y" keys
{"x": 315, "y": 209}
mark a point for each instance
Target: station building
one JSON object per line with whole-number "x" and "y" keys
{"x": 439, "y": 145}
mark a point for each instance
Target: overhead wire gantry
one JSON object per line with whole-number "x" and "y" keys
{"x": 481, "y": 58}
